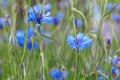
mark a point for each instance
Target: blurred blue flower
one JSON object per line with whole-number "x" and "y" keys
{"x": 30, "y": 32}
{"x": 31, "y": 45}
{"x": 20, "y": 39}
{"x": 109, "y": 6}
{"x": 36, "y": 45}
{"x": 58, "y": 18}
{"x": 1, "y": 22}
{"x": 78, "y": 22}
{"x": 37, "y": 14}
{"x": 47, "y": 7}
{"x": 116, "y": 17}
{"x": 115, "y": 72}
{"x": 58, "y": 74}
{"x": 100, "y": 77}
{"x": 117, "y": 7}
{"x": 100, "y": 69}
{"x": 5, "y": 21}
{"x": 115, "y": 59}
{"x": 79, "y": 42}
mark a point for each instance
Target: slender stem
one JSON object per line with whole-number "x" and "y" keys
{"x": 74, "y": 9}
{"x": 76, "y": 67}
{"x": 102, "y": 19}
{"x": 42, "y": 59}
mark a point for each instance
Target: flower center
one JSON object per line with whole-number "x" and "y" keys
{"x": 38, "y": 17}
{"x": 77, "y": 41}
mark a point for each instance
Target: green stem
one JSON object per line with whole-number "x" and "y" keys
{"x": 102, "y": 19}
{"x": 43, "y": 64}
{"x": 85, "y": 20}
{"x": 76, "y": 67}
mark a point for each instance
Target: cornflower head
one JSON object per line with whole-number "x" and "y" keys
{"x": 108, "y": 39}
{"x": 115, "y": 60}
{"x": 58, "y": 18}
{"x": 109, "y": 6}
{"x": 78, "y": 22}
{"x": 58, "y": 74}
{"x": 80, "y": 42}
{"x": 115, "y": 73}
{"x": 5, "y": 21}
{"x": 39, "y": 16}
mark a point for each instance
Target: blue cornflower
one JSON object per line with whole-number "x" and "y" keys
{"x": 20, "y": 38}
{"x": 35, "y": 16}
{"x": 47, "y": 7}
{"x": 78, "y": 22}
{"x": 58, "y": 18}
{"x": 5, "y": 21}
{"x": 58, "y": 74}
{"x": 40, "y": 18}
{"x": 79, "y": 42}
{"x": 115, "y": 59}
{"x": 116, "y": 17}
{"x": 117, "y": 7}
{"x": 31, "y": 45}
{"x": 109, "y": 6}
{"x": 115, "y": 72}
{"x": 30, "y": 32}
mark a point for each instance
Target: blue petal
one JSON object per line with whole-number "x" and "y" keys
{"x": 20, "y": 37}
{"x": 115, "y": 59}
{"x": 29, "y": 32}
{"x": 78, "y": 22}
{"x": 70, "y": 40}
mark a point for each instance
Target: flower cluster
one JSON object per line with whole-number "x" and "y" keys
{"x": 114, "y": 69}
